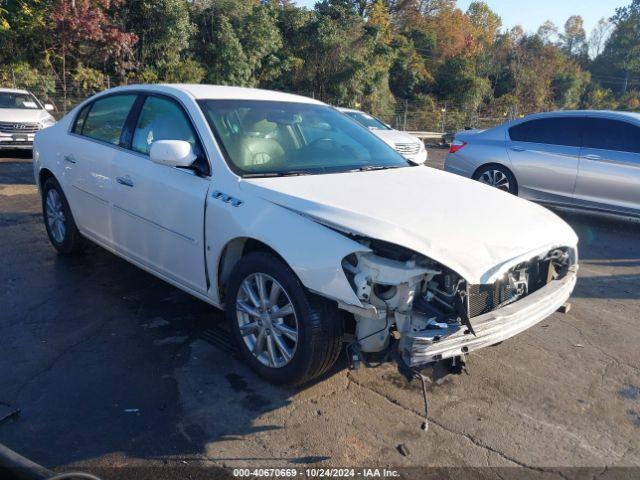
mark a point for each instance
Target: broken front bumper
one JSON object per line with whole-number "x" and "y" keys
{"x": 490, "y": 328}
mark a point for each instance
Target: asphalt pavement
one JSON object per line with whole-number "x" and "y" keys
{"x": 112, "y": 367}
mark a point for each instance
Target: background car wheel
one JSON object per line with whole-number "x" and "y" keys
{"x": 286, "y": 334}
{"x": 499, "y": 177}
{"x": 61, "y": 227}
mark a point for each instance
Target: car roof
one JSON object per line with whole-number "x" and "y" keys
{"x": 12, "y": 90}
{"x": 220, "y": 92}
{"x": 585, "y": 113}
{"x": 345, "y": 110}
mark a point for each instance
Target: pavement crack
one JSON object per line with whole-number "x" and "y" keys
{"x": 57, "y": 358}
{"x": 465, "y": 435}
{"x": 598, "y": 348}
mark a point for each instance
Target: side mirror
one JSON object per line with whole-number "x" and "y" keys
{"x": 172, "y": 153}
{"x": 48, "y": 107}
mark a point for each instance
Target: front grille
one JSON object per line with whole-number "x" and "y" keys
{"x": 538, "y": 272}
{"x": 19, "y": 127}
{"x": 16, "y": 143}
{"x": 407, "y": 148}
{"x": 486, "y": 298}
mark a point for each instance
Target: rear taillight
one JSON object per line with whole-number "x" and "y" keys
{"x": 456, "y": 145}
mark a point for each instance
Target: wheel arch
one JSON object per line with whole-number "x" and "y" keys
{"x": 43, "y": 175}
{"x": 496, "y": 164}
{"x": 231, "y": 254}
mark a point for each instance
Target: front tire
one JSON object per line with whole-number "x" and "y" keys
{"x": 286, "y": 334}
{"x": 497, "y": 176}
{"x": 58, "y": 220}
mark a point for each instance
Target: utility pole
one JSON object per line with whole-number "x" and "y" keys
{"x": 406, "y": 106}
{"x": 444, "y": 113}
{"x": 13, "y": 77}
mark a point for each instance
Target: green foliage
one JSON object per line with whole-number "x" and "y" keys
{"x": 458, "y": 83}
{"x": 22, "y": 75}
{"x": 164, "y": 30}
{"x": 88, "y": 80}
{"x": 378, "y": 55}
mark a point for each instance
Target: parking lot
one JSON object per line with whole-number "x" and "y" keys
{"x": 110, "y": 366}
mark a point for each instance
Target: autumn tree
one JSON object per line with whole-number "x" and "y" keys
{"x": 86, "y": 30}
{"x": 574, "y": 37}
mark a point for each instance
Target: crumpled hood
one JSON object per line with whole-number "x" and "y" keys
{"x": 23, "y": 115}
{"x": 391, "y": 137}
{"x": 476, "y": 230}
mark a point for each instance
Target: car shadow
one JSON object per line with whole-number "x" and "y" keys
{"x": 607, "y": 244}
{"x": 111, "y": 360}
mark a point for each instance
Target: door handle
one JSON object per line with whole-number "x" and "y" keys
{"x": 517, "y": 148}
{"x": 69, "y": 158}
{"x": 593, "y": 157}
{"x": 126, "y": 181}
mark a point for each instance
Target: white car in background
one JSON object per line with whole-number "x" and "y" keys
{"x": 21, "y": 116}
{"x": 301, "y": 224}
{"x": 409, "y": 146}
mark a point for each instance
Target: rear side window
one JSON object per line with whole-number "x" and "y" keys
{"x": 605, "y": 134}
{"x": 80, "y": 119}
{"x": 161, "y": 119}
{"x": 106, "y": 118}
{"x": 554, "y": 131}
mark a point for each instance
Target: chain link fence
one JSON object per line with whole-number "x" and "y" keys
{"x": 407, "y": 116}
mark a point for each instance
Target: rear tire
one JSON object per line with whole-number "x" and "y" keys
{"x": 58, "y": 220}
{"x": 290, "y": 348}
{"x": 497, "y": 176}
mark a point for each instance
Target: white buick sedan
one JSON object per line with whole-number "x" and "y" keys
{"x": 301, "y": 224}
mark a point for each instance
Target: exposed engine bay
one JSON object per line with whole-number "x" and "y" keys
{"x": 416, "y": 302}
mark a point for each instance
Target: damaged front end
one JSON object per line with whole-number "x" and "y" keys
{"x": 431, "y": 313}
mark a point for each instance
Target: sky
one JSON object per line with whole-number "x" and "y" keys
{"x": 533, "y": 13}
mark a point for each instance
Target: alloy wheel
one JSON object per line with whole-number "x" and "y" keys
{"x": 267, "y": 320}
{"x": 55, "y": 216}
{"x": 495, "y": 178}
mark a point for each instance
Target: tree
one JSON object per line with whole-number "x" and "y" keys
{"x": 261, "y": 41}
{"x": 485, "y": 21}
{"x": 622, "y": 49}
{"x": 85, "y": 29}
{"x": 228, "y": 64}
{"x": 25, "y": 30}
{"x": 574, "y": 37}
{"x": 458, "y": 83}
{"x": 164, "y": 30}
{"x": 598, "y": 37}
{"x": 548, "y": 32}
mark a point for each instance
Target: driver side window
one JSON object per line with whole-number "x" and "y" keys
{"x": 161, "y": 119}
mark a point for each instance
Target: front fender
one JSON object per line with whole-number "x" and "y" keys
{"x": 313, "y": 251}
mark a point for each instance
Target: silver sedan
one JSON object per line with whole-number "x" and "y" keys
{"x": 584, "y": 159}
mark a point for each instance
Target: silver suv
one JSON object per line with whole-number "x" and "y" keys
{"x": 21, "y": 116}
{"x": 585, "y": 159}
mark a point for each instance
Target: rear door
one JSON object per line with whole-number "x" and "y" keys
{"x": 88, "y": 154}
{"x": 158, "y": 211}
{"x": 609, "y": 174}
{"x": 545, "y": 153}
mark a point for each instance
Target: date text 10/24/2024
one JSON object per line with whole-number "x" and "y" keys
{"x": 315, "y": 472}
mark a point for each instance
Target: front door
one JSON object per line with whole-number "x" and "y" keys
{"x": 158, "y": 211}
{"x": 544, "y": 153}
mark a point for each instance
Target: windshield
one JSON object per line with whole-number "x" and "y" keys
{"x": 24, "y": 101}
{"x": 264, "y": 138}
{"x": 367, "y": 120}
